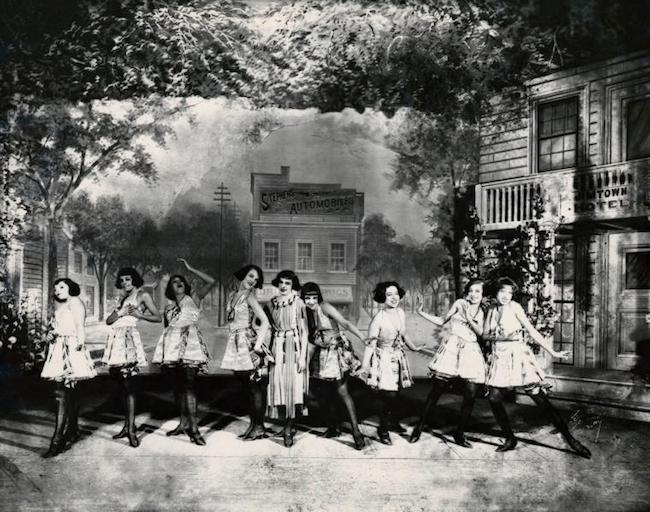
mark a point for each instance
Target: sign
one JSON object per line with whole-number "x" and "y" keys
{"x": 336, "y": 294}
{"x": 308, "y": 202}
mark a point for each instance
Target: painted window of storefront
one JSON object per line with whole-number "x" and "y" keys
{"x": 90, "y": 300}
{"x": 78, "y": 262}
{"x": 305, "y": 256}
{"x": 271, "y": 255}
{"x": 337, "y": 256}
{"x": 637, "y": 270}
{"x": 564, "y": 299}
{"x": 89, "y": 266}
{"x": 557, "y": 134}
{"x": 638, "y": 129}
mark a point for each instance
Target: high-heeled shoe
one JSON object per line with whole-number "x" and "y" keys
{"x": 122, "y": 433}
{"x": 359, "y": 440}
{"x": 257, "y": 433}
{"x": 133, "y": 439}
{"x": 180, "y": 429}
{"x": 459, "y": 438}
{"x": 288, "y": 438}
{"x": 384, "y": 437}
{"x": 415, "y": 435}
{"x": 196, "y": 437}
{"x": 56, "y": 447}
{"x": 73, "y": 436}
{"x": 577, "y": 446}
{"x": 508, "y": 445}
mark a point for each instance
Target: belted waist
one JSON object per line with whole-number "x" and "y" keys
{"x": 383, "y": 345}
{"x": 283, "y": 334}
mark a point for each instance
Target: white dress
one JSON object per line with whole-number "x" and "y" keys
{"x": 64, "y": 362}
{"x": 124, "y": 347}
{"x": 181, "y": 343}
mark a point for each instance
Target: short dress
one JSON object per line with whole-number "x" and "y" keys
{"x": 512, "y": 363}
{"x": 287, "y": 387}
{"x": 460, "y": 355}
{"x": 124, "y": 351}
{"x": 333, "y": 356}
{"x": 239, "y": 355}
{"x": 181, "y": 343}
{"x": 389, "y": 367}
{"x": 64, "y": 363}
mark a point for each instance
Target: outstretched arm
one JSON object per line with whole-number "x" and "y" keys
{"x": 209, "y": 280}
{"x": 535, "y": 334}
{"x": 334, "y": 314}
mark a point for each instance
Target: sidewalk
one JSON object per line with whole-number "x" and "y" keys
{"x": 316, "y": 474}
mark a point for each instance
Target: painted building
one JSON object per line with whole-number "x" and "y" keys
{"x": 28, "y": 274}
{"x": 581, "y": 137}
{"x": 311, "y": 228}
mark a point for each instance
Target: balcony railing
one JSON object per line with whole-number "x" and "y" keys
{"x": 600, "y": 193}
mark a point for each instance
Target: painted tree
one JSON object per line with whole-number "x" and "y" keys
{"x": 104, "y": 228}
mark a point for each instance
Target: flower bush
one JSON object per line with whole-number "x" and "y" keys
{"x": 23, "y": 344}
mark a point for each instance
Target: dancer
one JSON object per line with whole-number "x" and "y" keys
{"x": 385, "y": 367}
{"x": 245, "y": 353}
{"x": 288, "y": 375}
{"x": 181, "y": 348}
{"x": 512, "y": 365}
{"x": 459, "y": 356}
{"x": 333, "y": 358}
{"x": 68, "y": 361}
{"x": 124, "y": 354}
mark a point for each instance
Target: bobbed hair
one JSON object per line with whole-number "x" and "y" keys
{"x": 73, "y": 288}
{"x": 169, "y": 290}
{"x": 243, "y": 272}
{"x": 471, "y": 283}
{"x": 379, "y": 294}
{"x": 311, "y": 288}
{"x": 287, "y": 274}
{"x": 136, "y": 278}
{"x": 503, "y": 282}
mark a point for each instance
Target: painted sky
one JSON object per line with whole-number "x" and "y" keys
{"x": 343, "y": 148}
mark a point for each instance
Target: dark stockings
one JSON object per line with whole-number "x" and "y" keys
{"x": 542, "y": 401}
{"x": 387, "y": 400}
{"x": 500, "y": 414}
{"x": 57, "y": 443}
{"x": 128, "y": 399}
{"x": 185, "y": 397}
{"x": 437, "y": 389}
{"x": 257, "y": 406}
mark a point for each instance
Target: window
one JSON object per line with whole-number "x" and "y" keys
{"x": 78, "y": 262}
{"x": 305, "y": 258}
{"x": 337, "y": 256}
{"x": 557, "y": 128}
{"x": 638, "y": 129}
{"x": 89, "y": 266}
{"x": 90, "y": 300}
{"x": 271, "y": 255}
{"x": 564, "y": 300}
{"x": 637, "y": 270}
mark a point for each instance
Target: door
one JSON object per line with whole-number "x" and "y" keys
{"x": 628, "y": 340}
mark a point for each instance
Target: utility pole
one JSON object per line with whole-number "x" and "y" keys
{"x": 221, "y": 197}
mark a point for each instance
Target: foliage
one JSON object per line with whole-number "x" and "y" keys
{"x": 106, "y": 231}
{"x": 12, "y": 214}
{"x": 527, "y": 256}
{"x": 473, "y": 249}
{"x": 23, "y": 343}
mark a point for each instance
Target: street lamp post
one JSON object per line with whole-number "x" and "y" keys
{"x": 221, "y": 197}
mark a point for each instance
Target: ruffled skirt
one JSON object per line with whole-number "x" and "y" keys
{"x": 389, "y": 369}
{"x": 240, "y": 356}
{"x": 333, "y": 357}
{"x": 512, "y": 364}
{"x": 124, "y": 351}
{"x": 182, "y": 346}
{"x": 457, "y": 357}
{"x": 64, "y": 363}
{"x": 287, "y": 387}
